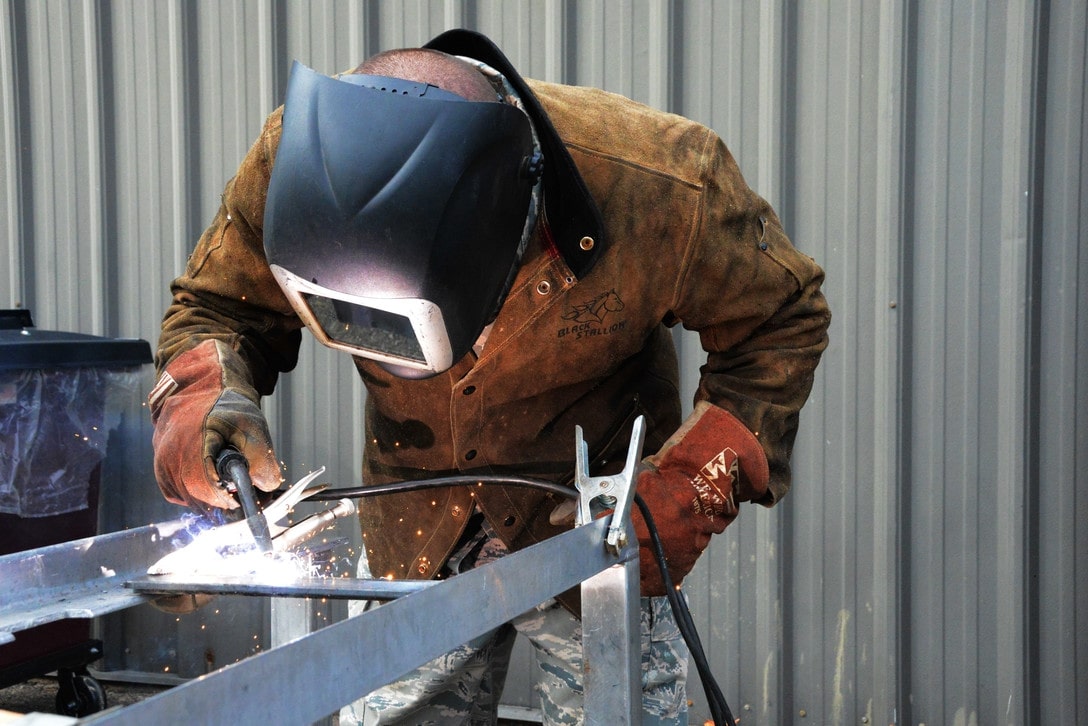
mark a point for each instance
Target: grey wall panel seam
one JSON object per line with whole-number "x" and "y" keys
{"x": 188, "y": 102}
{"x": 904, "y": 340}
{"x": 1013, "y": 579}
{"x": 555, "y": 17}
{"x": 93, "y": 233}
{"x": 891, "y": 164}
{"x": 787, "y": 208}
{"x": 9, "y": 87}
{"x": 660, "y": 56}
{"x": 22, "y": 168}
{"x": 1040, "y": 54}
{"x": 770, "y": 158}
{"x": 771, "y": 591}
{"x": 106, "y": 197}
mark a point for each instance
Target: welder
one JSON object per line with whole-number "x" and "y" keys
{"x": 504, "y": 259}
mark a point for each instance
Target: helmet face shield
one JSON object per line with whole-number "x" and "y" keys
{"x": 397, "y": 214}
{"x": 406, "y": 334}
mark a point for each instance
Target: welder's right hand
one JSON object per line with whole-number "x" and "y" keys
{"x": 202, "y": 403}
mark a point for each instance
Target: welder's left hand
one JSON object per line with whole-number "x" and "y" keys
{"x": 693, "y": 487}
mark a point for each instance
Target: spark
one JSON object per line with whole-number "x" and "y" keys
{"x": 207, "y": 555}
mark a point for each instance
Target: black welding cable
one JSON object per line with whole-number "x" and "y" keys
{"x": 397, "y": 487}
{"x": 719, "y": 708}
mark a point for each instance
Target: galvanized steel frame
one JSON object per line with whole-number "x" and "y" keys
{"x": 349, "y": 659}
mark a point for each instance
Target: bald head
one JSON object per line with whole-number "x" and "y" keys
{"x": 424, "y": 65}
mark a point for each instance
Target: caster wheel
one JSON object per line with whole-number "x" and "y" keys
{"x": 79, "y": 694}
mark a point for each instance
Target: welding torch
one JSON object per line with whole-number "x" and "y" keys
{"x": 233, "y": 471}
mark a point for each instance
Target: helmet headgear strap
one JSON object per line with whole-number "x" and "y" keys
{"x": 508, "y": 95}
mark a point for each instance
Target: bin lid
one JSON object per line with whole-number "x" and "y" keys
{"x": 28, "y": 347}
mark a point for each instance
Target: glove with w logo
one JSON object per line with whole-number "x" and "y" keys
{"x": 693, "y": 488}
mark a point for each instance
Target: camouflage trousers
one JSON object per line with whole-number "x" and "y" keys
{"x": 464, "y": 686}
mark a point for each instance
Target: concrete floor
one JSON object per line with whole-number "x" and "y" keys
{"x": 38, "y": 695}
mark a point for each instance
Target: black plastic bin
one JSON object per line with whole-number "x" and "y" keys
{"x": 55, "y": 392}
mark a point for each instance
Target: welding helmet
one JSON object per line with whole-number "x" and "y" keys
{"x": 397, "y": 214}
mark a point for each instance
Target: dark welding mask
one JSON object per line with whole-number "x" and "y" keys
{"x": 397, "y": 214}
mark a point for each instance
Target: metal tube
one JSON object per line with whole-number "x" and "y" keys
{"x": 611, "y": 654}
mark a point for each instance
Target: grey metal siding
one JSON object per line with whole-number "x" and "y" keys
{"x": 929, "y": 565}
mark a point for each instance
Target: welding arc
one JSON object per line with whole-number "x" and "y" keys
{"x": 719, "y": 708}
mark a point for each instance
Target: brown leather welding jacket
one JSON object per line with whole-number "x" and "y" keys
{"x": 684, "y": 241}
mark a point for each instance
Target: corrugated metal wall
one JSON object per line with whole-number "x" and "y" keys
{"x": 931, "y": 565}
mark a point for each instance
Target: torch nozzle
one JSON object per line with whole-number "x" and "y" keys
{"x": 307, "y": 528}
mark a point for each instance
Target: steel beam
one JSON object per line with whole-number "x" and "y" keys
{"x": 79, "y": 579}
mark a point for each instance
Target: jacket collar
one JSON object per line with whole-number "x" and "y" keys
{"x": 571, "y": 211}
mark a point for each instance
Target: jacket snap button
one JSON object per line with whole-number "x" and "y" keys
{"x": 586, "y": 243}
{"x": 423, "y": 567}
{"x": 543, "y": 287}
{"x": 470, "y": 454}
{"x": 456, "y": 510}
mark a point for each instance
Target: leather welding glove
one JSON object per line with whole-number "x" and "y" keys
{"x": 693, "y": 487}
{"x": 203, "y": 402}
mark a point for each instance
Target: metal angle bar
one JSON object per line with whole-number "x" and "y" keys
{"x": 309, "y": 678}
{"x": 78, "y": 579}
{"x": 344, "y": 588}
{"x": 611, "y": 653}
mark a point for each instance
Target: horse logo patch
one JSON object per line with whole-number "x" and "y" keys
{"x": 591, "y": 317}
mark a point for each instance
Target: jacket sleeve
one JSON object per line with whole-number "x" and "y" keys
{"x": 227, "y": 291}
{"x": 756, "y": 303}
